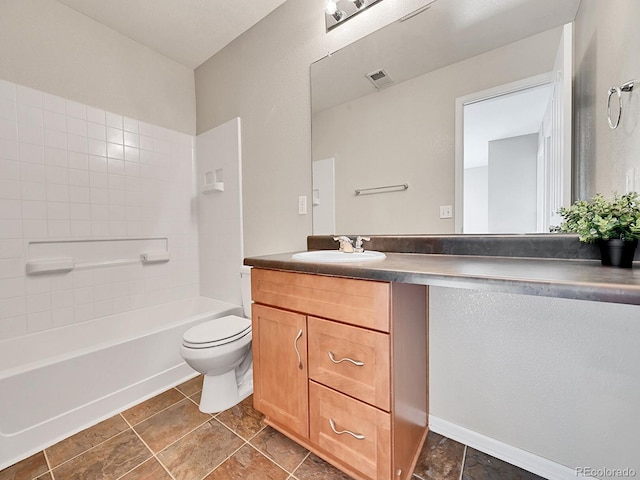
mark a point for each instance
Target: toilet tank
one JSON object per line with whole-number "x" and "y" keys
{"x": 245, "y": 285}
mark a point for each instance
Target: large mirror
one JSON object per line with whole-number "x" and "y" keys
{"x": 391, "y": 153}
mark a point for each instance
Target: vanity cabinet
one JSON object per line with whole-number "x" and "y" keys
{"x": 340, "y": 366}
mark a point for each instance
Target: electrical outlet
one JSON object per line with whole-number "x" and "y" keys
{"x": 446, "y": 211}
{"x": 302, "y": 205}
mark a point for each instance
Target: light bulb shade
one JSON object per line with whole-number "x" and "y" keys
{"x": 331, "y": 7}
{"x": 359, "y": 3}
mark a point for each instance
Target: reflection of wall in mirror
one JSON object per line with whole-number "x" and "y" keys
{"x": 405, "y": 133}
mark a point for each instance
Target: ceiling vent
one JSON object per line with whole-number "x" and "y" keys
{"x": 379, "y": 78}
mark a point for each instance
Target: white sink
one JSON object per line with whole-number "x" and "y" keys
{"x": 336, "y": 256}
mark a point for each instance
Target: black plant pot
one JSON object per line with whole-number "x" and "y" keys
{"x": 617, "y": 253}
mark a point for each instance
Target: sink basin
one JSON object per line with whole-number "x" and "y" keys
{"x": 336, "y": 256}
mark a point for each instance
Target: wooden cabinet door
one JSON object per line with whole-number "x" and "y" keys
{"x": 280, "y": 389}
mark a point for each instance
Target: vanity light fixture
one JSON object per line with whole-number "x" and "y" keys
{"x": 339, "y": 11}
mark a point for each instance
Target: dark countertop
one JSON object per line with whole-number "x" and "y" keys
{"x": 561, "y": 278}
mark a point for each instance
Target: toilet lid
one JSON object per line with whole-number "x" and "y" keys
{"x": 217, "y": 332}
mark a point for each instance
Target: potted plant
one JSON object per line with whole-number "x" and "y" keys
{"x": 613, "y": 224}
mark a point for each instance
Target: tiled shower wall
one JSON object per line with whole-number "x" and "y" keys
{"x": 70, "y": 171}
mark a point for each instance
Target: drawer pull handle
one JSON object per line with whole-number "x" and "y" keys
{"x": 332, "y": 424}
{"x": 346, "y": 359}
{"x": 295, "y": 346}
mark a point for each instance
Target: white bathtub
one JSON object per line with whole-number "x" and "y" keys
{"x": 58, "y": 382}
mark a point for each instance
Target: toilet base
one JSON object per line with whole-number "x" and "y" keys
{"x": 220, "y": 392}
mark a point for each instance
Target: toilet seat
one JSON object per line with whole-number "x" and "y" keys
{"x": 217, "y": 332}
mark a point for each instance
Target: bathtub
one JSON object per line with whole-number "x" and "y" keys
{"x": 57, "y": 382}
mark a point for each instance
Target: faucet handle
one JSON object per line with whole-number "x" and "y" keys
{"x": 346, "y": 244}
{"x": 359, "y": 241}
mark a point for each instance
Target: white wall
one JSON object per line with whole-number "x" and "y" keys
{"x": 50, "y": 47}
{"x": 476, "y": 200}
{"x": 555, "y": 377}
{"x": 69, "y": 171}
{"x": 263, "y": 77}
{"x": 220, "y": 213}
{"x": 607, "y": 41}
{"x": 512, "y": 184}
{"x": 405, "y": 133}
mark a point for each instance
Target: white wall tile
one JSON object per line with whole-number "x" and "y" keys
{"x": 54, "y": 104}
{"x": 33, "y": 172}
{"x": 114, "y": 120}
{"x": 34, "y": 210}
{"x": 31, "y": 135}
{"x": 77, "y": 126}
{"x": 7, "y": 90}
{"x": 96, "y": 131}
{"x": 78, "y": 178}
{"x": 62, "y": 316}
{"x": 95, "y": 115}
{"x": 55, "y": 139}
{"x": 11, "y": 268}
{"x": 8, "y": 130}
{"x": 10, "y": 209}
{"x": 31, "y": 116}
{"x": 30, "y": 153}
{"x": 57, "y": 193}
{"x": 35, "y": 229}
{"x": 11, "y": 287}
{"x": 39, "y": 321}
{"x": 72, "y": 171}
{"x": 77, "y": 110}
{"x": 12, "y": 307}
{"x": 8, "y": 149}
{"x": 78, "y": 160}
{"x": 9, "y": 189}
{"x": 28, "y": 96}
{"x": 9, "y": 170}
{"x": 97, "y": 147}
{"x": 59, "y": 228}
{"x": 11, "y": 248}
{"x": 79, "y": 194}
{"x": 56, "y": 157}
{"x": 115, "y": 151}
{"x": 38, "y": 303}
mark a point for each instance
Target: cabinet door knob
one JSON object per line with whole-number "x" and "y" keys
{"x": 295, "y": 346}
{"x": 346, "y": 359}
{"x": 332, "y": 424}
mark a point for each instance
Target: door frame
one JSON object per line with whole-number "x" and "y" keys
{"x": 461, "y": 102}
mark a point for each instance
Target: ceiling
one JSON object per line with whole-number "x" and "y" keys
{"x": 447, "y": 32}
{"x": 187, "y": 31}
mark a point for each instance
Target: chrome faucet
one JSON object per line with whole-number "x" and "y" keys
{"x": 346, "y": 244}
{"x": 358, "y": 248}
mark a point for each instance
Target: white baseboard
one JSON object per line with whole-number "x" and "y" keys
{"x": 521, "y": 458}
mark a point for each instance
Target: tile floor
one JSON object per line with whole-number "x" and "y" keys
{"x": 168, "y": 438}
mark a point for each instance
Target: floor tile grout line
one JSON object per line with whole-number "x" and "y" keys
{"x": 91, "y": 448}
{"x": 153, "y": 454}
{"x": 188, "y": 433}
{"x": 300, "y": 464}
{"x": 226, "y": 458}
{"x": 464, "y": 459}
{"x": 46, "y": 459}
{"x": 158, "y": 412}
{"x": 271, "y": 459}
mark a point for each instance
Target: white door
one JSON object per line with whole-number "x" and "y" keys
{"x": 324, "y": 216}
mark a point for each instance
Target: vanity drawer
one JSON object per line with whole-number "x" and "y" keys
{"x": 351, "y": 360}
{"x": 331, "y": 412}
{"x": 362, "y": 303}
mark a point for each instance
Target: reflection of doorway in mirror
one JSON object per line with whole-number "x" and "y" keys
{"x": 324, "y": 212}
{"x": 513, "y": 152}
{"x": 501, "y": 155}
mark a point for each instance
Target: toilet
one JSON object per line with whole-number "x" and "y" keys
{"x": 221, "y": 350}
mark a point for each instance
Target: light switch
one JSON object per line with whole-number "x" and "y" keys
{"x": 302, "y": 205}
{"x": 446, "y": 211}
